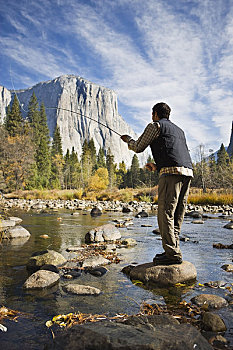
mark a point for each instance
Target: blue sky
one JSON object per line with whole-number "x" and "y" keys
{"x": 176, "y": 51}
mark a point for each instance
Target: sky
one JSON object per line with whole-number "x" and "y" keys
{"x": 174, "y": 51}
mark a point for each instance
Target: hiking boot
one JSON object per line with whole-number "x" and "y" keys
{"x": 166, "y": 260}
{"x": 159, "y": 255}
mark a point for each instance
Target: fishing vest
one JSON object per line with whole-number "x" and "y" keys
{"x": 169, "y": 148}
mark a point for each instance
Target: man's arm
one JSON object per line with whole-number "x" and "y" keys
{"x": 149, "y": 134}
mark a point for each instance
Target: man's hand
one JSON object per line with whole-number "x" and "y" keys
{"x": 126, "y": 138}
{"x": 150, "y": 166}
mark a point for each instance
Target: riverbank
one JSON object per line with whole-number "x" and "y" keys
{"x": 196, "y": 196}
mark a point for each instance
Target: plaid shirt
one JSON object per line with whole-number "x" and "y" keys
{"x": 150, "y": 133}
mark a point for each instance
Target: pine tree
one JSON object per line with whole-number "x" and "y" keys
{"x": 57, "y": 161}
{"x": 14, "y": 120}
{"x": 101, "y": 160}
{"x": 135, "y": 171}
{"x": 92, "y": 150}
{"x": 222, "y": 157}
{"x": 34, "y": 119}
{"x": 111, "y": 168}
{"x": 86, "y": 163}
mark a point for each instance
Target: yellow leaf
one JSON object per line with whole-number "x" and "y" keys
{"x": 136, "y": 282}
{"x": 201, "y": 285}
{"x": 49, "y": 324}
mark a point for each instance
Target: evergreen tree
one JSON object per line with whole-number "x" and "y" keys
{"x": 120, "y": 173}
{"x": 222, "y": 157}
{"x": 75, "y": 170}
{"x": 92, "y": 150}
{"x": 57, "y": 161}
{"x": 14, "y": 120}
{"x": 135, "y": 171}
{"x": 111, "y": 168}
{"x": 86, "y": 163}
{"x": 34, "y": 119}
{"x": 56, "y": 144}
{"x": 101, "y": 160}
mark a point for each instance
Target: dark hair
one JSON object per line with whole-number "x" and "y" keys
{"x": 162, "y": 109}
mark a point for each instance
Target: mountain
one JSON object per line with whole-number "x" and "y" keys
{"x": 76, "y": 94}
{"x": 230, "y": 146}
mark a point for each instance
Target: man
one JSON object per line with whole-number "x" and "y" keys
{"x": 173, "y": 162}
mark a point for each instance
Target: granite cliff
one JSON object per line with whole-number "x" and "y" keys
{"x": 79, "y": 95}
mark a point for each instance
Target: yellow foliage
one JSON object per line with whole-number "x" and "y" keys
{"x": 99, "y": 181}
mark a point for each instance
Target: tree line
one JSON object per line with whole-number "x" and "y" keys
{"x": 30, "y": 160}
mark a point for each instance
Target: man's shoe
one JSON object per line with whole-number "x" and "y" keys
{"x": 159, "y": 255}
{"x": 165, "y": 260}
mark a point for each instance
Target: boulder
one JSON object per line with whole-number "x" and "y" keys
{"x": 17, "y": 232}
{"x": 15, "y": 219}
{"x": 79, "y": 289}
{"x": 94, "y": 261}
{"x": 142, "y": 214}
{"x": 147, "y": 335}
{"x": 213, "y": 322}
{"x": 227, "y": 267}
{"x": 98, "y": 271}
{"x": 103, "y": 233}
{"x": 7, "y": 223}
{"x": 41, "y": 279}
{"x": 210, "y": 300}
{"x": 38, "y": 259}
{"x": 229, "y": 225}
{"x": 129, "y": 242}
{"x": 96, "y": 211}
{"x": 164, "y": 275}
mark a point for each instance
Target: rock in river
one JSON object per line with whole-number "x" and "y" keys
{"x": 17, "y": 232}
{"x": 213, "y": 322}
{"x": 41, "y": 279}
{"x": 80, "y": 289}
{"x": 38, "y": 259}
{"x": 164, "y": 275}
{"x": 144, "y": 335}
{"x": 103, "y": 233}
{"x": 210, "y": 300}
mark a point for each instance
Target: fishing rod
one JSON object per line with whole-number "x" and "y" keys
{"x": 85, "y": 116}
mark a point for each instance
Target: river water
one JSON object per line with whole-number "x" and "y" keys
{"x": 119, "y": 294}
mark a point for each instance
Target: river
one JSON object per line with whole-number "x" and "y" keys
{"x": 119, "y": 294}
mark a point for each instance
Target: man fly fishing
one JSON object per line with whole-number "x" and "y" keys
{"x": 174, "y": 165}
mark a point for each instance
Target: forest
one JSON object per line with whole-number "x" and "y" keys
{"x": 30, "y": 159}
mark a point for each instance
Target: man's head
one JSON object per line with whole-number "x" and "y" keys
{"x": 161, "y": 110}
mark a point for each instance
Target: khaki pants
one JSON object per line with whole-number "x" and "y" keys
{"x": 172, "y": 198}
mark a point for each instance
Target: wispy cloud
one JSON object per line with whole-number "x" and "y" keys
{"x": 180, "y": 52}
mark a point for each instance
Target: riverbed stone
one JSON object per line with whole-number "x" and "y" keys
{"x": 7, "y": 223}
{"x": 164, "y": 275}
{"x": 213, "y": 322}
{"x": 210, "y": 300}
{"x": 103, "y": 233}
{"x": 94, "y": 261}
{"x": 129, "y": 242}
{"x": 41, "y": 279}
{"x": 15, "y": 219}
{"x": 80, "y": 289}
{"x": 229, "y": 225}
{"x": 17, "y": 232}
{"x": 227, "y": 267}
{"x": 120, "y": 336}
{"x": 38, "y": 259}
{"x": 96, "y": 211}
{"x": 142, "y": 214}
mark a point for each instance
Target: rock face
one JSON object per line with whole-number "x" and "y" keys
{"x": 164, "y": 275}
{"x": 43, "y": 258}
{"x": 160, "y": 334}
{"x": 81, "y": 96}
{"x": 41, "y": 279}
{"x": 103, "y": 233}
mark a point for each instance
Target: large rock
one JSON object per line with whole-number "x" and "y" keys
{"x": 164, "y": 275}
{"x": 17, "y": 232}
{"x": 210, "y": 300}
{"x": 94, "y": 261}
{"x": 41, "y": 279}
{"x": 47, "y": 257}
{"x": 7, "y": 223}
{"x": 147, "y": 335}
{"x": 213, "y": 322}
{"x": 103, "y": 233}
{"x": 80, "y": 289}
